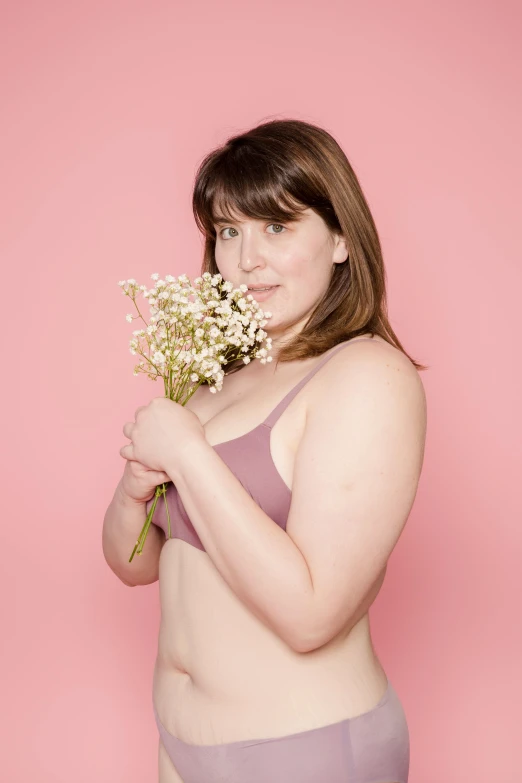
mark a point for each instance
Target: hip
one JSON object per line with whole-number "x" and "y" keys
{"x": 365, "y": 748}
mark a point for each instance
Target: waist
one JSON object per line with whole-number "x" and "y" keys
{"x": 216, "y": 701}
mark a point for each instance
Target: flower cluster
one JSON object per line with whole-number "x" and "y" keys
{"x": 195, "y": 330}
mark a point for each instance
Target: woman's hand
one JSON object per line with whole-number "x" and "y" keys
{"x": 138, "y": 483}
{"x": 162, "y": 434}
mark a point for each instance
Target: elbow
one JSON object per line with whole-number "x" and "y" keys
{"x": 118, "y": 574}
{"x": 311, "y": 638}
{"x": 304, "y": 644}
{"x": 320, "y": 631}
{"x": 307, "y": 637}
{"x": 324, "y": 622}
{"x": 307, "y": 641}
{"x": 122, "y": 580}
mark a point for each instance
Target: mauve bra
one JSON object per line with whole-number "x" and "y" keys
{"x": 250, "y": 460}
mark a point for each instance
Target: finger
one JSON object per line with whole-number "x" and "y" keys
{"x": 127, "y": 429}
{"x": 141, "y": 408}
{"x": 127, "y": 451}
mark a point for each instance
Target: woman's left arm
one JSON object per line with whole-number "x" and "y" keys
{"x": 355, "y": 479}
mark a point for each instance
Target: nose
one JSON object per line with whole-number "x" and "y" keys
{"x": 250, "y": 252}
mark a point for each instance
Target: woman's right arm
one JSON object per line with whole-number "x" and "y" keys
{"x": 122, "y": 526}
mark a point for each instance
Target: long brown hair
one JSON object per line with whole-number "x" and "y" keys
{"x": 275, "y": 171}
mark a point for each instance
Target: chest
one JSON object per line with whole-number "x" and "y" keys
{"x": 233, "y": 423}
{"x": 256, "y": 429}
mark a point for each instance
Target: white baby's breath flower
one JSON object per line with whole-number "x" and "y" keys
{"x": 200, "y": 327}
{"x": 194, "y": 331}
{"x": 128, "y": 317}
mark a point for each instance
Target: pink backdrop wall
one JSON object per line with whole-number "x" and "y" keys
{"x": 107, "y": 108}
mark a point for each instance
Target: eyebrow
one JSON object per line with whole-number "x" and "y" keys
{"x": 219, "y": 220}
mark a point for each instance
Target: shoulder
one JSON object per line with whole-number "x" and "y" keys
{"x": 369, "y": 357}
{"x": 373, "y": 371}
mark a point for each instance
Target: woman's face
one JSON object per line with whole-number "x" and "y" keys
{"x": 296, "y": 257}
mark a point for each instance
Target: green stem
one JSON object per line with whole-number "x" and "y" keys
{"x": 138, "y": 549}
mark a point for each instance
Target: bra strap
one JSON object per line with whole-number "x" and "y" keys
{"x": 287, "y": 399}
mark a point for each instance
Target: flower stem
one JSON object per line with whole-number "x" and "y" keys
{"x": 160, "y": 490}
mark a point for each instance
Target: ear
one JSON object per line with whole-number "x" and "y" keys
{"x": 340, "y": 252}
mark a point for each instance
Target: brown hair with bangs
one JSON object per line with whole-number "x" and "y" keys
{"x": 275, "y": 171}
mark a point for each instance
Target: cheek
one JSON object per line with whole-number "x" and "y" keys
{"x": 227, "y": 269}
{"x": 306, "y": 271}
{"x": 296, "y": 266}
{"x": 221, "y": 260}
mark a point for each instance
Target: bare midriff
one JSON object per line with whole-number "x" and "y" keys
{"x": 221, "y": 674}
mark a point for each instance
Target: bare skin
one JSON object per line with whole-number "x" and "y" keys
{"x": 221, "y": 675}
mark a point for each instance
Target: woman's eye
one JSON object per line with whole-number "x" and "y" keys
{"x": 229, "y": 228}
{"x": 225, "y": 229}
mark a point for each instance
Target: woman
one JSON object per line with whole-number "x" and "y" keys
{"x": 290, "y": 489}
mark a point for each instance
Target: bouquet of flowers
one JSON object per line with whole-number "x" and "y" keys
{"x": 195, "y": 330}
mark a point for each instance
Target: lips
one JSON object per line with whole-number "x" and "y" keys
{"x": 260, "y": 296}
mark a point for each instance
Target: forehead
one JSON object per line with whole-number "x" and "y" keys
{"x": 236, "y": 217}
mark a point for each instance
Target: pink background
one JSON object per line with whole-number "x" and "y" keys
{"x": 108, "y": 107}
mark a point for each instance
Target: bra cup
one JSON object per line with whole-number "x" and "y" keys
{"x": 250, "y": 460}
